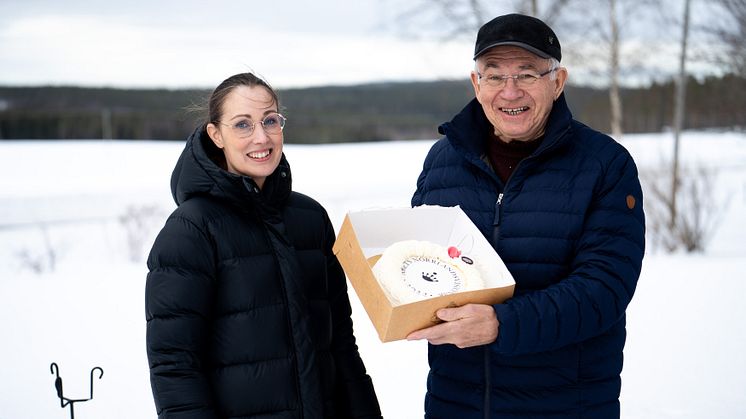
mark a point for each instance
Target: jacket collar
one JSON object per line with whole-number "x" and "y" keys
{"x": 467, "y": 130}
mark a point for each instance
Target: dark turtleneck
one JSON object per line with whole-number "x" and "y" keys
{"x": 504, "y": 157}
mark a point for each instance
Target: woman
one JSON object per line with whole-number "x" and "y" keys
{"x": 247, "y": 308}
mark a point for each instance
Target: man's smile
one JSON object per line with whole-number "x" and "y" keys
{"x": 514, "y": 111}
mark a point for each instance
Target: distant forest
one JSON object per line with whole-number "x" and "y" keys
{"x": 370, "y": 112}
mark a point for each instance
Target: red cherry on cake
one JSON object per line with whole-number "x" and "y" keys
{"x": 453, "y": 252}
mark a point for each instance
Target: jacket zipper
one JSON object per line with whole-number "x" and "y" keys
{"x": 487, "y": 358}
{"x": 496, "y": 220}
{"x": 495, "y": 236}
{"x": 272, "y": 239}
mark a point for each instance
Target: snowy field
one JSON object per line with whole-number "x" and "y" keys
{"x": 78, "y": 218}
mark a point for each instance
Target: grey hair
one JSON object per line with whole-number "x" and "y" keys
{"x": 554, "y": 64}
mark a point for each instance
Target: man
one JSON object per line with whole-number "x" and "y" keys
{"x": 562, "y": 205}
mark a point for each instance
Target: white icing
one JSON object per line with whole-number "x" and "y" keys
{"x": 413, "y": 270}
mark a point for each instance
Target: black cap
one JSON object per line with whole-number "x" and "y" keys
{"x": 523, "y": 31}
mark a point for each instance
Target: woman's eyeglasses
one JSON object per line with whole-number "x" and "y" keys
{"x": 272, "y": 124}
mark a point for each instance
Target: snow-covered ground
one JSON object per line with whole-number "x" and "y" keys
{"x": 77, "y": 219}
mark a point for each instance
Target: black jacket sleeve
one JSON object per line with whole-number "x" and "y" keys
{"x": 178, "y": 292}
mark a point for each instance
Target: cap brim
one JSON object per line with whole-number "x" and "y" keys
{"x": 514, "y": 43}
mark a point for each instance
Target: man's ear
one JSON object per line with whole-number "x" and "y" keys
{"x": 475, "y": 83}
{"x": 214, "y": 134}
{"x": 559, "y": 81}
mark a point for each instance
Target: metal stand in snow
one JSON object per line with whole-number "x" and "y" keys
{"x": 64, "y": 401}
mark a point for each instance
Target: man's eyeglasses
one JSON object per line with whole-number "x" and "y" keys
{"x": 272, "y": 124}
{"x": 521, "y": 81}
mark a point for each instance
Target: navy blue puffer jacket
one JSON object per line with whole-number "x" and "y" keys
{"x": 246, "y": 305}
{"x": 569, "y": 225}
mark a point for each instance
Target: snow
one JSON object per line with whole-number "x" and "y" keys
{"x": 72, "y": 277}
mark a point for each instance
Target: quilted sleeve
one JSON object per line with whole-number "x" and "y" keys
{"x": 178, "y": 292}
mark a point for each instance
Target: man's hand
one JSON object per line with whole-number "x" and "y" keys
{"x": 465, "y": 326}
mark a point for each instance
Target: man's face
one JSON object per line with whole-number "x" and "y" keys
{"x": 518, "y": 111}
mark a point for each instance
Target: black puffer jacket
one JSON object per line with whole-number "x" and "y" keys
{"x": 246, "y": 306}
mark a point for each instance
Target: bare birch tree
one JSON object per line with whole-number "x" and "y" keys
{"x": 615, "y": 100}
{"x": 599, "y": 31}
{"x": 684, "y": 209}
{"x": 679, "y": 107}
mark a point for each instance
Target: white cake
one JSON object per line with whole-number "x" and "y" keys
{"x": 412, "y": 270}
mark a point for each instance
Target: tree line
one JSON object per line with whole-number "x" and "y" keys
{"x": 369, "y": 112}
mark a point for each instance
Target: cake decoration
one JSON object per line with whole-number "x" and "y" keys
{"x": 412, "y": 270}
{"x": 454, "y": 252}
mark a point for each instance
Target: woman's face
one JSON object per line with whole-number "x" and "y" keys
{"x": 257, "y": 154}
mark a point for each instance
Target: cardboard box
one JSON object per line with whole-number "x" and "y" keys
{"x": 364, "y": 236}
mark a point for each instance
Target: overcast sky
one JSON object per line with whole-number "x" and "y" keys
{"x": 143, "y": 43}
{"x": 190, "y": 43}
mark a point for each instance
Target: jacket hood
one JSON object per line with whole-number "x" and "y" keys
{"x": 198, "y": 173}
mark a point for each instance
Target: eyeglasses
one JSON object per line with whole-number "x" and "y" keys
{"x": 272, "y": 124}
{"x": 521, "y": 81}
